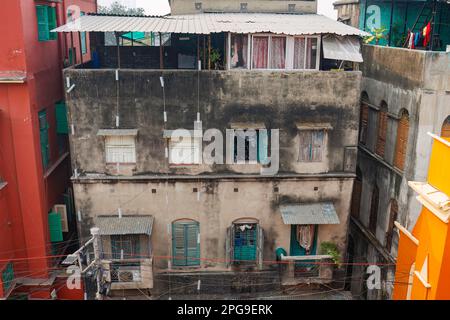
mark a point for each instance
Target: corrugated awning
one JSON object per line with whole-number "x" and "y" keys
{"x": 309, "y": 213}
{"x": 117, "y": 132}
{"x": 341, "y": 48}
{"x": 114, "y": 225}
{"x": 13, "y": 76}
{"x": 206, "y": 23}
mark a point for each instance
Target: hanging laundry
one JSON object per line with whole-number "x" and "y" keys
{"x": 416, "y": 39}
{"x": 426, "y": 34}
{"x": 411, "y": 40}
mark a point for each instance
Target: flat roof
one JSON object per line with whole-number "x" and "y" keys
{"x": 207, "y": 23}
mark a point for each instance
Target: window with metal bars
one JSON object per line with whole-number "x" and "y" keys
{"x": 125, "y": 247}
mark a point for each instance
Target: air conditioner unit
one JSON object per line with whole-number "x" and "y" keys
{"x": 128, "y": 275}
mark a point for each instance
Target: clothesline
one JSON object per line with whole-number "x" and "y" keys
{"x": 414, "y": 38}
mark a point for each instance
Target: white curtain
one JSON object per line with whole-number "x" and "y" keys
{"x": 305, "y": 236}
{"x": 278, "y": 53}
{"x": 299, "y": 53}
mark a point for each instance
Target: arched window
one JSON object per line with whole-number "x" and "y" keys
{"x": 392, "y": 217}
{"x": 445, "y": 131}
{"x": 374, "y": 210}
{"x": 382, "y": 129}
{"x": 186, "y": 242}
{"x": 402, "y": 140}
{"x": 364, "y": 118}
{"x": 356, "y": 194}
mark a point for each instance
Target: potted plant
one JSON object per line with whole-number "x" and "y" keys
{"x": 377, "y": 35}
{"x": 215, "y": 58}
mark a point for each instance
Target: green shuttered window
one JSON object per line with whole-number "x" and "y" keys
{"x": 245, "y": 242}
{"x": 83, "y": 39}
{"x": 55, "y": 227}
{"x": 7, "y": 277}
{"x": 46, "y": 19}
{"x": 186, "y": 243}
{"x": 62, "y": 125}
{"x": 43, "y": 135}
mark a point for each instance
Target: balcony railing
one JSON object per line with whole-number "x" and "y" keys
{"x": 129, "y": 273}
{"x": 307, "y": 269}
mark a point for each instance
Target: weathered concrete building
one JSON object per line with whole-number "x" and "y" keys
{"x": 156, "y": 204}
{"x": 259, "y": 6}
{"x": 405, "y": 94}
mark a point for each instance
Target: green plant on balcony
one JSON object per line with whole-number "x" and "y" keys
{"x": 331, "y": 249}
{"x": 215, "y": 58}
{"x": 377, "y": 35}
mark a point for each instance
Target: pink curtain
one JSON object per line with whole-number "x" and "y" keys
{"x": 299, "y": 53}
{"x": 278, "y": 53}
{"x": 239, "y": 49}
{"x": 260, "y": 52}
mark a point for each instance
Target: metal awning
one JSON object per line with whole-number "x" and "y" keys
{"x": 309, "y": 213}
{"x": 114, "y": 225}
{"x": 13, "y": 77}
{"x": 117, "y": 132}
{"x": 341, "y": 48}
{"x": 207, "y": 23}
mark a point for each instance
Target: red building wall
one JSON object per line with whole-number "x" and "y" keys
{"x": 27, "y": 191}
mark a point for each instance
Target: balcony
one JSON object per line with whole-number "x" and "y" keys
{"x": 218, "y": 42}
{"x": 129, "y": 273}
{"x": 307, "y": 269}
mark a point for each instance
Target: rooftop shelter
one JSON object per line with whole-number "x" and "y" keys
{"x": 220, "y": 41}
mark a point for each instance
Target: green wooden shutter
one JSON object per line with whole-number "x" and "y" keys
{"x": 185, "y": 243}
{"x": 55, "y": 227}
{"x": 7, "y": 277}
{"x": 43, "y": 134}
{"x": 178, "y": 244}
{"x": 52, "y": 22}
{"x": 42, "y": 19}
{"x": 83, "y": 39}
{"x": 192, "y": 244}
{"x": 62, "y": 126}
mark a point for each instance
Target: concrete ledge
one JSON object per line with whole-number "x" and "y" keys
{"x": 97, "y": 178}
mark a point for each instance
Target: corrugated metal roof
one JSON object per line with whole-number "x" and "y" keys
{"x": 206, "y": 23}
{"x": 309, "y": 213}
{"x": 117, "y": 132}
{"x": 113, "y": 225}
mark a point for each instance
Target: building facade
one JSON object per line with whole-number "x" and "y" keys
{"x": 422, "y": 268}
{"x": 255, "y": 6}
{"x": 404, "y": 96}
{"x": 35, "y": 165}
{"x": 158, "y": 204}
{"x": 398, "y": 19}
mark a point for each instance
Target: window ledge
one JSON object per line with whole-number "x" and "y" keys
{"x": 3, "y": 184}
{"x": 52, "y": 168}
{"x": 380, "y": 159}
